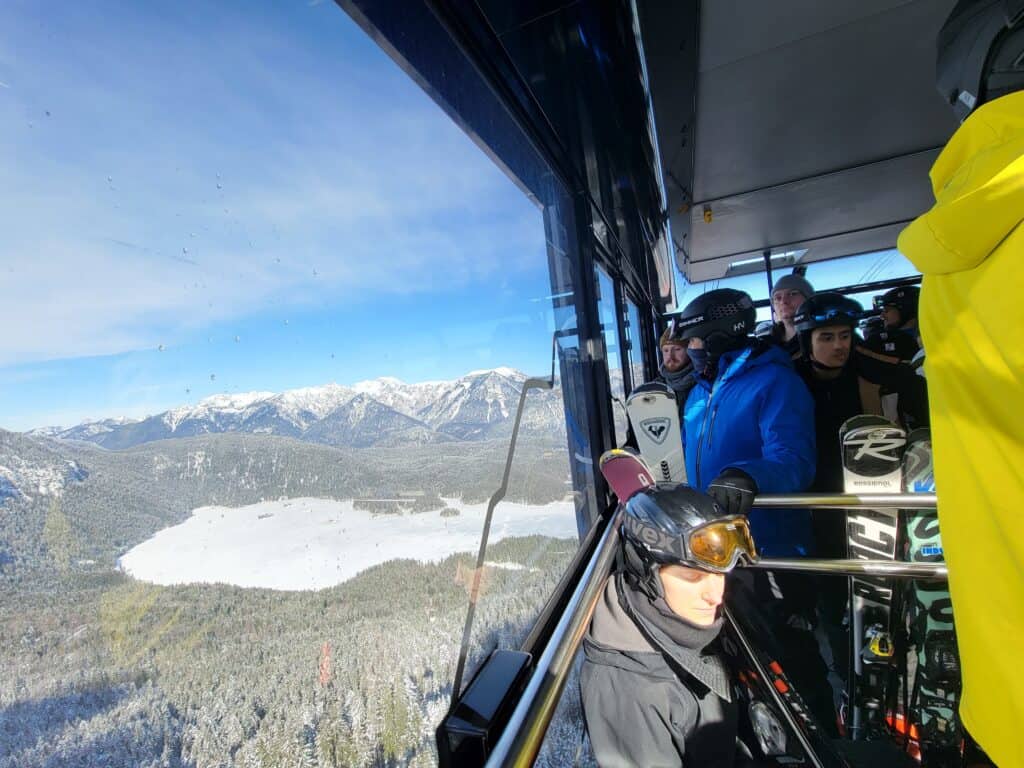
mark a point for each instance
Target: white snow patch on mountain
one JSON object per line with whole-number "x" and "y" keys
{"x": 308, "y": 544}
{"x": 223, "y": 403}
{"x": 319, "y": 401}
{"x": 510, "y": 373}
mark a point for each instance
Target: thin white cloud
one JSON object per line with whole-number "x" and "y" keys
{"x": 274, "y": 189}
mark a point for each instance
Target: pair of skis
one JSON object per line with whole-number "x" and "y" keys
{"x": 654, "y": 417}
{"x": 879, "y": 457}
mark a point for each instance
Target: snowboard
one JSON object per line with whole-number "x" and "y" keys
{"x": 625, "y": 472}
{"x": 654, "y": 415}
{"x": 872, "y": 448}
{"x": 936, "y": 687}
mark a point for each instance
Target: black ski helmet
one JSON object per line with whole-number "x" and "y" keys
{"x": 904, "y": 299}
{"x": 980, "y": 53}
{"x": 657, "y": 522}
{"x": 823, "y": 310}
{"x": 722, "y": 318}
{"x": 871, "y": 325}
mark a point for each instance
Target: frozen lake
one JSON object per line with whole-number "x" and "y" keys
{"x": 303, "y": 544}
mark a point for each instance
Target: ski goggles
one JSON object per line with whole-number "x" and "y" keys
{"x": 716, "y": 546}
{"x": 721, "y": 544}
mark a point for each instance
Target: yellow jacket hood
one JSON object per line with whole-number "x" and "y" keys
{"x": 978, "y": 181}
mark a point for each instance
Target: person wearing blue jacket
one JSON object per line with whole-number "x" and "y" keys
{"x": 748, "y": 424}
{"x": 748, "y": 428}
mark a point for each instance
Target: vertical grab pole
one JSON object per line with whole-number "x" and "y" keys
{"x": 767, "y": 254}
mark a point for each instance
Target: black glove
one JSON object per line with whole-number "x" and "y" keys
{"x": 734, "y": 491}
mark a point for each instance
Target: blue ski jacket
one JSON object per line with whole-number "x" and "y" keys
{"x": 757, "y": 416}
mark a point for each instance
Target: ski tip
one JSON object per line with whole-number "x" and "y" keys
{"x": 625, "y": 472}
{"x": 651, "y": 388}
{"x": 620, "y": 453}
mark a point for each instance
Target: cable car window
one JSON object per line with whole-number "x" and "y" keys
{"x": 269, "y": 315}
{"x": 635, "y": 344}
{"x": 823, "y": 276}
{"x": 610, "y": 327}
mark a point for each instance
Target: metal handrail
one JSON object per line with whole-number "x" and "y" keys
{"x": 847, "y": 500}
{"x": 523, "y": 736}
{"x": 890, "y": 568}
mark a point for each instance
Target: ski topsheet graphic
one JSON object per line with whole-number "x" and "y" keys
{"x": 626, "y": 473}
{"x": 936, "y": 688}
{"x": 654, "y": 416}
{"x": 872, "y": 452}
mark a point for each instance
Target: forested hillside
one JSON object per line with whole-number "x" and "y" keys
{"x": 100, "y": 669}
{"x": 115, "y": 672}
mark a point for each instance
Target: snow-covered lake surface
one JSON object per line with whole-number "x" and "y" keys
{"x": 302, "y": 544}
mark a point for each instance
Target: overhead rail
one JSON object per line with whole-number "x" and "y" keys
{"x": 849, "y": 290}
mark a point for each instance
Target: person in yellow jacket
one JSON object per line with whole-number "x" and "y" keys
{"x": 970, "y": 249}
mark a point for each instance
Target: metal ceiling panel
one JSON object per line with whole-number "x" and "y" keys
{"x": 795, "y": 122}
{"x": 857, "y": 200}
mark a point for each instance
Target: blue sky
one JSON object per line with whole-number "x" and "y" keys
{"x": 223, "y": 197}
{"x": 249, "y": 192}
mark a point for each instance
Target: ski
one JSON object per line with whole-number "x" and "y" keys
{"x": 936, "y": 687}
{"x": 654, "y": 415}
{"x": 872, "y": 449}
{"x": 625, "y": 472}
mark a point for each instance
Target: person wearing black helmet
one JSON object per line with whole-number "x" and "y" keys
{"x": 845, "y": 383}
{"x": 970, "y": 248}
{"x": 898, "y": 311}
{"x": 829, "y": 367}
{"x": 655, "y": 691}
{"x": 748, "y": 423}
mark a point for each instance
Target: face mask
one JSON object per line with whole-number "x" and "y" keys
{"x": 699, "y": 358}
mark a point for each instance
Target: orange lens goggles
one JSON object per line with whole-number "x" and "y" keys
{"x": 720, "y": 544}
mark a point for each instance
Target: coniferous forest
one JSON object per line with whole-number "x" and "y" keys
{"x": 104, "y": 670}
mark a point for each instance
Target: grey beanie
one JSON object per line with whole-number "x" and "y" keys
{"x": 793, "y": 282}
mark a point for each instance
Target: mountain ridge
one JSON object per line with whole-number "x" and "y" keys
{"x": 378, "y": 412}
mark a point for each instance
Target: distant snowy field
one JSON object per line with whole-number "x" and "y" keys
{"x": 303, "y": 544}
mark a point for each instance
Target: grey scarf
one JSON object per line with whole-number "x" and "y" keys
{"x": 679, "y": 640}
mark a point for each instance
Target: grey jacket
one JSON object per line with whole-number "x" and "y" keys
{"x": 641, "y": 705}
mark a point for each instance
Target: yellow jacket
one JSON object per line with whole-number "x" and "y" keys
{"x": 970, "y": 248}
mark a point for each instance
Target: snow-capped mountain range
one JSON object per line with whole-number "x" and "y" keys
{"x": 381, "y": 412}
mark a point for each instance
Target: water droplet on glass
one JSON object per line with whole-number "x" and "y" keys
{"x": 213, "y": 377}
{"x": 237, "y": 339}
{"x": 314, "y": 273}
{"x": 191, "y": 234}
{"x": 277, "y": 260}
{"x": 188, "y": 391}
{"x": 110, "y": 178}
{"x": 219, "y": 185}
{"x": 47, "y": 113}
{"x": 286, "y": 322}
{"x": 160, "y": 348}
{"x": 184, "y": 250}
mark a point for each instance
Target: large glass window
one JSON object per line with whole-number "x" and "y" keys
{"x": 823, "y": 275}
{"x": 269, "y": 315}
{"x": 634, "y": 335}
{"x": 607, "y": 313}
